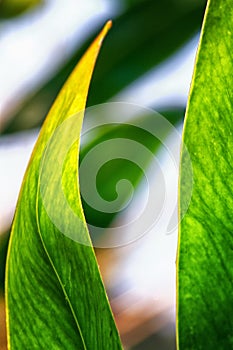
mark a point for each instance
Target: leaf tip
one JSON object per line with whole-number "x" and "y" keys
{"x": 108, "y": 25}
{"x": 104, "y": 31}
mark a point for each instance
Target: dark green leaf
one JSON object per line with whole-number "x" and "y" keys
{"x": 143, "y": 37}
{"x": 205, "y": 259}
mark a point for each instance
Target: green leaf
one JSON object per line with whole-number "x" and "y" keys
{"x": 54, "y": 293}
{"x": 10, "y": 8}
{"x": 141, "y": 38}
{"x": 205, "y": 258}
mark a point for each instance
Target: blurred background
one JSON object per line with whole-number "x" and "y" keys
{"x": 147, "y": 59}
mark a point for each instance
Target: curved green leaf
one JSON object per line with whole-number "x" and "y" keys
{"x": 54, "y": 293}
{"x": 205, "y": 259}
{"x": 141, "y": 38}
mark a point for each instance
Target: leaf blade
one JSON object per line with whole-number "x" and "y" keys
{"x": 63, "y": 297}
{"x": 205, "y": 241}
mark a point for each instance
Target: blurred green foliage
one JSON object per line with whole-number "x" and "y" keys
{"x": 11, "y": 8}
{"x": 118, "y": 169}
{"x": 142, "y": 37}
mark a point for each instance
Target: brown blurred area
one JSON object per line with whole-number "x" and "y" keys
{"x": 143, "y": 321}
{"x": 3, "y": 345}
